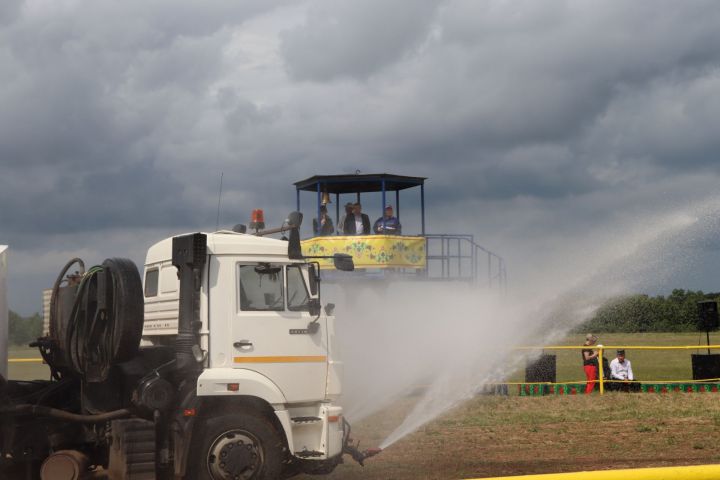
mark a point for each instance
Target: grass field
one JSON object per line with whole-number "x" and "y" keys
{"x": 497, "y": 436}
{"x": 26, "y": 370}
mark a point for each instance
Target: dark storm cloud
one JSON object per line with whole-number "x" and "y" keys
{"x": 525, "y": 72}
{"x": 355, "y": 39}
{"x": 125, "y": 196}
{"x": 546, "y": 119}
{"x": 669, "y": 123}
{"x": 9, "y": 10}
{"x": 86, "y": 100}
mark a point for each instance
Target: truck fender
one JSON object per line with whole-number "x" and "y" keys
{"x": 214, "y": 382}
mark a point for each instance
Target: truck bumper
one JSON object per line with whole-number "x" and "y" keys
{"x": 313, "y": 433}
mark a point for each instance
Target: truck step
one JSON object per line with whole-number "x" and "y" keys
{"x": 132, "y": 451}
{"x": 305, "y": 420}
{"x": 309, "y": 453}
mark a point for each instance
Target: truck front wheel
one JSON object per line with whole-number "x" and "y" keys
{"x": 237, "y": 446}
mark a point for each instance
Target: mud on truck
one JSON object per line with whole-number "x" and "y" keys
{"x": 220, "y": 365}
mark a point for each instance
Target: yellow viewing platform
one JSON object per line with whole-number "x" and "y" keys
{"x": 370, "y": 251}
{"x": 431, "y": 256}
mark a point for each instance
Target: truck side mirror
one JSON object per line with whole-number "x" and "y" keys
{"x": 314, "y": 279}
{"x": 294, "y": 221}
{"x": 314, "y": 307}
{"x": 343, "y": 262}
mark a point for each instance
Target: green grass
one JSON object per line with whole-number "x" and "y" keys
{"x": 26, "y": 371}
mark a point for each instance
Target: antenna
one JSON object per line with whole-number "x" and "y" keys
{"x": 217, "y": 221}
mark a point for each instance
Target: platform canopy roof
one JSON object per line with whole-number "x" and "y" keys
{"x": 359, "y": 183}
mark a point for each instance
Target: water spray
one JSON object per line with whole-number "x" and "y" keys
{"x": 473, "y": 345}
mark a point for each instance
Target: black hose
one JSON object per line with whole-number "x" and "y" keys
{"x": 107, "y": 319}
{"x": 43, "y": 411}
{"x": 53, "y": 356}
{"x": 56, "y": 286}
{"x": 37, "y": 396}
{"x": 77, "y": 344}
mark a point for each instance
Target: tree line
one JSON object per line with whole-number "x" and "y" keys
{"x": 677, "y": 312}
{"x": 23, "y": 330}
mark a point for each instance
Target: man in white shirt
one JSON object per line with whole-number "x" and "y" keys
{"x": 621, "y": 369}
{"x": 358, "y": 223}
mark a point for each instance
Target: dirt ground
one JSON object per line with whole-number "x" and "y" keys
{"x": 504, "y": 436}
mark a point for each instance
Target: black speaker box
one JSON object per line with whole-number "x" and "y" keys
{"x": 541, "y": 370}
{"x": 707, "y": 315}
{"x": 705, "y": 366}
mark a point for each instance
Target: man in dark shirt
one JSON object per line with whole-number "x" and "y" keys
{"x": 358, "y": 223}
{"x": 341, "y": 222}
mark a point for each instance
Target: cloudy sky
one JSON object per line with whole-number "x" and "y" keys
{"x": 548, "y": 129}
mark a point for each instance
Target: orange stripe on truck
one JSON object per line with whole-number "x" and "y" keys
{"x": 282, "y": 359}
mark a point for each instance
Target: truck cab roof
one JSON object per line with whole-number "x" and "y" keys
{"x": 224, "y": 242}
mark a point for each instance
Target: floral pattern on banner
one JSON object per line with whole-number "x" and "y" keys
{"x": 370, "y": 251}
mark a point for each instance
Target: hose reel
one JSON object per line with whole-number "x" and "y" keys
{"x": 96, "y": 320}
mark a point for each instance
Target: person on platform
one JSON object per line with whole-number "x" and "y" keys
{"x": 358, "y": 223}
{"x": 326, "y": 225}
{"x": 341, "y": 222}
{"x": 590, "y": 362}
{"x": 388, "y": 224}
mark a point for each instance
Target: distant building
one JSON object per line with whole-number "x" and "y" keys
{"x": 47, "y": 294}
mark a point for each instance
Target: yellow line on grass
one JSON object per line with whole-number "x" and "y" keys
{"x": 696, "y": 472}
{"x": 621, "y": 347}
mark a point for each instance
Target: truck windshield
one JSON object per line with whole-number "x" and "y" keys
{"x": 261, "y": 287}
{"x": 298, "y": 297}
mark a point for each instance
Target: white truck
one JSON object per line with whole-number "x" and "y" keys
{"x": 220, "y": 366}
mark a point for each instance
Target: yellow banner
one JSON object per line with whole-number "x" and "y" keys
{"x": 370, "y": 251}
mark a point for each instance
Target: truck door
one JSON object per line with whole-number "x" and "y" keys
{"x": 270, "y": 330}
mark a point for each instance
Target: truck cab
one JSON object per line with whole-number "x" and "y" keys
{"x": 264, "y": 339}
{"x": 216, "y": 362}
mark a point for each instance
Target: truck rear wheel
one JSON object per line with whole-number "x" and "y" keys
{"x": 238, "y": 447}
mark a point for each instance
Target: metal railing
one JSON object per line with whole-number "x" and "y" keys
{"x": 459, "y": 257}
{"x": 601, "y": 380}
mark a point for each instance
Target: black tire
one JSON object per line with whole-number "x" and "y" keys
{"x": 250, "y": 446}
{"x": 93, "y": 347}
{"x": 128, "y": 308}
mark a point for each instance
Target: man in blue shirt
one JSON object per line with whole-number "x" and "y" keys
{"x": 388, "y": 224}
